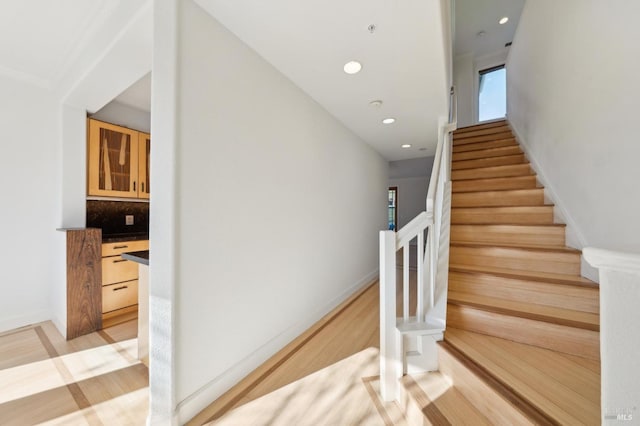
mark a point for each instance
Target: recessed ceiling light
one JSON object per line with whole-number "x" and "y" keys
{"x": 406, "y": 145}
{"x": 352, "y": 67}
{"x": 389, "y": 120}
{"x": 504, "y": 20}
{"x": 481, "y": 33}
{"x": 376, "y": 104}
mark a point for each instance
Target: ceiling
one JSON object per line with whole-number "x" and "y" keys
{"x": 474, "y": 16}
{"x": 39, "y": 40}
{"x": 309, "y": 42}
{"x": 138, "y": 95}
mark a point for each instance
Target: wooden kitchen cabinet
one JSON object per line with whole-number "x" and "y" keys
{"x": 83, "y": 282}
{"x": 120, "y": 282}
{"x": 144, "y": 157}
{"x": 118, "y": 161}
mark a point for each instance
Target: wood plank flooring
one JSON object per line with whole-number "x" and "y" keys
{"x": 95, "y": 379}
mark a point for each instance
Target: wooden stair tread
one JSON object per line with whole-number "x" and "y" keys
{"x": 584, "y": 298}
{"x": 467, "y": 139}
{"x": 525, "y": 247}
{"x": 478, "y": 146}
{"x": 507, "y": 170}
{"x": 487, "y": 153}
{"x": 529, "y": 215}
{"x": 495, "y": 184}
{"x": 499, "y": 198}
{"x": 482, "y": 131}
{"x": 525, "y": 275}
{"x": 556, "y": 383}
{"x": 439, "y": 401}
{"x": 471, "y": 128}
{"x": 552, "y": 235}
{"x": 586, "y": 320}
{"x": 476, "y": 163}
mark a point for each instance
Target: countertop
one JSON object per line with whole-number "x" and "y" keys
{"x": 137, "y": 256}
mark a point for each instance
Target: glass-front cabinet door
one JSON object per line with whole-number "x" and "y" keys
{"x": 144, "y": 157}
{"x": 113, "y": 161}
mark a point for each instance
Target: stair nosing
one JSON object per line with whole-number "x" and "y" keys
{"x": 507, "y": 392}
{"x": 513, "y": 139}
{"x": 490, "y": 158}
{"x": 512, "y": 206}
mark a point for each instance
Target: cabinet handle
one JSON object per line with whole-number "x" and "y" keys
{"x": 120, "y": 288}
{"x": 119, "y": 247}
{"x": 134, "y": 185}
{"x": 142, "y": 186}
{"x": 119, "y": 260}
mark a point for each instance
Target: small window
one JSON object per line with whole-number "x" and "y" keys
{"x": 492, "y": 94}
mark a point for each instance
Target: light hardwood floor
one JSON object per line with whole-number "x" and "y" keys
{"x": 92, "y": 380}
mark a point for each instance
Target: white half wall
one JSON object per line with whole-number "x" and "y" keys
{"x": 572, "y": 98}
{"x": 29, "y": 172}
{"x": 276, "y": 208}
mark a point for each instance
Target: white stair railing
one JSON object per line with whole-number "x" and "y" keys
{"x": 432, "y": 259}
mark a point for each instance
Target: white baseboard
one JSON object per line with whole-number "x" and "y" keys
{"x": 199, "y": 400}
{"x": 7, "y": 324}
{"x": 574, "y": 236}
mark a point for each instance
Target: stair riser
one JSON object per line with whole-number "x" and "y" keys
{"x": 481, "y": 132}
{"x": 570, "y": 340}
{"x": 497, "y": 409}
{"x": 507, "y": 234}
{"x": 487, "y": 153}
{"x": 576, "y": 298}
{"x": 497, "y": 184}
{"x": 461, "y": 140}
{"x": 533, "y": 215}
{"x": 485, "y": 145}
{"x": 492, "y": 172}
{"x": 520, "y": 259}
{"x": 525, "y": 197}
{"x": 488, "y": 162}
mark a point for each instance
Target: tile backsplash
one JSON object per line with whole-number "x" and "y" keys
{"x": 111, "y": 217}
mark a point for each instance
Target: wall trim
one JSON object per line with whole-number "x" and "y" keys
{"x": 18, "y": 321}
{"x": 574, "y": 236}
{"x": 188, "y": 408}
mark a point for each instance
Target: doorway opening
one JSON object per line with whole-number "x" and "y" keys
{"x": 393, "y": 208}
{"x": 492, "y": 94}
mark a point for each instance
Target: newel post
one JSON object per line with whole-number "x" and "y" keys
{"x": 388, "y": 355}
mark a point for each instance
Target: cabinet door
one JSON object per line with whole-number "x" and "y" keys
{"x": 113, "y": 160}
{"x": 144, "y": 156}
{"x": 84, "y": 289}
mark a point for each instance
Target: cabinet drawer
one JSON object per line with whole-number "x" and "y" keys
{"x": 115, "y": 269}
{"x": 113, "y": 249}
{"x": 121, "y": 295}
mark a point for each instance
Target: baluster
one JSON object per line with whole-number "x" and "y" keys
{"x": 420, "y": 278}
{"x": 405, "y": 282}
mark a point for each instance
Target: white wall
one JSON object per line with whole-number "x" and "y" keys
{"x": 124, "y": 115}
{"x": 463, "y": 81}
{"x": 573, "y": 99}
{"x": 28, "y": 172}
{"x": 412, "y": 179}
{"x": 277, "y": 208}
{"x": 466, "y": 69}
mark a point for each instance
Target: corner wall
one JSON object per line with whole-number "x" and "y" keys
{"x": 28, "y": 172}
{"x": 572, "y": 98}
{"x": 277, "y": 208}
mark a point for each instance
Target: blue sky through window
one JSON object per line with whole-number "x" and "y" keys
{"x": 492, "y": 95}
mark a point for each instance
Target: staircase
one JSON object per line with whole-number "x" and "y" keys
{"x": 522, "y": 339}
